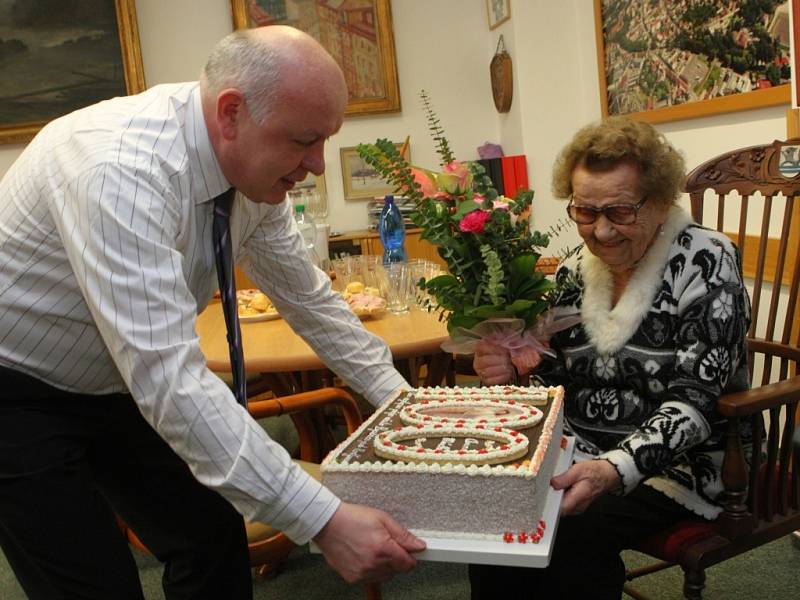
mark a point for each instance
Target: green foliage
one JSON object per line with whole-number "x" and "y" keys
{"x": 437, "y": 133}
{"x": 484, "y": 238}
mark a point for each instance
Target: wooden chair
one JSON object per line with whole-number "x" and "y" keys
{"x": 268, "y": 546}
{"x": 761, "y": 489}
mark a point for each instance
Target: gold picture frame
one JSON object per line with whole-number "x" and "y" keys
{"x": 498, "y": 12}
{"x": 372, "y": 80}
{"x": 361, "y": 181}
{"x": 61, "y": 97}
{"x": 771, "y": 96}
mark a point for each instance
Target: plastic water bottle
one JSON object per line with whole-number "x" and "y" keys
{"x": 392, "y": 231}
{"x": 306, "y": 226}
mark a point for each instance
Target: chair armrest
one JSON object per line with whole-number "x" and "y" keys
{"x": 303, "y": 401}
{"x": 742, "y": 404}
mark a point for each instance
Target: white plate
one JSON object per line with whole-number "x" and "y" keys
{"x": 265, "y": 316}
{"x": 514, "y": 554}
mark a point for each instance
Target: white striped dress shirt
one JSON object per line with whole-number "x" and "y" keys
{"x": 106, "y": 258}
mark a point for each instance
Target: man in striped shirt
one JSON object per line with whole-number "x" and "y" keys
{"x": 106, "y": 405}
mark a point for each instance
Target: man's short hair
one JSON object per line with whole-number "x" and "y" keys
{"x": 243, "y": 61}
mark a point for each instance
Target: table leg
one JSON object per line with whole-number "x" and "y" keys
{"x": 440, "y": 369}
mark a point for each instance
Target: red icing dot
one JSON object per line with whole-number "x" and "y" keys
{"x": 387, "y": 443}
{"x": 504, "y": 447}
{"x": 401, "y": 447}
{"x": 518, "y": 440}
{"x": 482, "y": 451}
{"x": 420, "y": 450}
{"x": 522, "y": 537}
{"x": 462, "y": 451}
{"x": 508, "y": 537}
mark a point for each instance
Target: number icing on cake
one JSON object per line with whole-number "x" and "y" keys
{"x": 472, "y": 413}
{"x": 479, "y": 445}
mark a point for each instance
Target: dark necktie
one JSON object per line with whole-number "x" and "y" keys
{"x": 227, "y": 288}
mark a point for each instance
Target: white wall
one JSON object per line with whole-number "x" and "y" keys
{"x": 445, "y": 47}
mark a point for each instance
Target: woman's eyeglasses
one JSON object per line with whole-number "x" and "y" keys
{"x": 619, "y": 214}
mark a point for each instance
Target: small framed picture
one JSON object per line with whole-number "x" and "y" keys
{"x": 499, "y": 12}
{"x": 361, "y": 181}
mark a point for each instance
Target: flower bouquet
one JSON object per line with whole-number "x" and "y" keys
{"x": 492, "y": 289}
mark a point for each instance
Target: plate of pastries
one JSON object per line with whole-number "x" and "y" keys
{"x": 254, "y": 305}
{"x": 366, "y": 302}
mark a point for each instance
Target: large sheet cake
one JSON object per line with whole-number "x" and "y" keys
{"x": 455, "y": 462}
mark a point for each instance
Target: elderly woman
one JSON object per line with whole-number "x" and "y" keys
{"x": 664, "y": 313}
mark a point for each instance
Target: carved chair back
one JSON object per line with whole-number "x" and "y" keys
{"x": 767, "y": 178}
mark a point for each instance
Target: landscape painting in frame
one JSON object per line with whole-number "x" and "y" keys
{"x": 357, "y": 33}
{"x": 360, "y": 180}
{"x": 661, "y": 60}
{"x": 60, "y": 55}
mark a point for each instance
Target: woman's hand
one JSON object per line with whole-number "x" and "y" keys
{"x": 584, "y": 482}
{"x": 493, "y": 364}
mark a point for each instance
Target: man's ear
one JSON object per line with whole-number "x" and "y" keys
{"x": 230, "y": 112}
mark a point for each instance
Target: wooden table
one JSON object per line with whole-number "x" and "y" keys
{"x": 272, "y": 348}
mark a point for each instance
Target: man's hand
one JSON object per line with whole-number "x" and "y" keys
{"x": 584, "y": 482}
{"x": 365, "y": 544}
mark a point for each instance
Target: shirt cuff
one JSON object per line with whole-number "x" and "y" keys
{"x": 302, "y": 526}
{"x": 391, "y": 389}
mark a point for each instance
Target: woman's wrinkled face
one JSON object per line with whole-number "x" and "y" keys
{"x": 619, "y": 246}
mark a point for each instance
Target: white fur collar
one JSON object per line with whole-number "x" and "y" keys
{"x": 610, "y": 329}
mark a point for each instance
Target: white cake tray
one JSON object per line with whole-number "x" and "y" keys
{"x": 513, "y": 554}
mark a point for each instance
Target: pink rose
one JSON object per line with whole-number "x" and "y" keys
{"x": 426, "y": 180}
{"x": 455, "y": 178}
{"x": 474, "y": 221}
{"x": 499, "y": 205}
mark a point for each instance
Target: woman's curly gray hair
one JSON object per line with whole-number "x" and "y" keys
{"x": 604, "y": 145}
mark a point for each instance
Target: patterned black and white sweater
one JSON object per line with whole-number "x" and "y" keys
{"x": 643, "y": 377}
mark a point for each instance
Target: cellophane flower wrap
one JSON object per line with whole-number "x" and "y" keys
{"x": 485, "y": 240}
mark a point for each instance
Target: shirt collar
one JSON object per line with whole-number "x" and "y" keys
{"x": 207, "y": 176}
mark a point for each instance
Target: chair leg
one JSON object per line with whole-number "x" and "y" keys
{"x": 693, "y": 584}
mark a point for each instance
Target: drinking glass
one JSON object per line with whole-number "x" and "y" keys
{"x": 399, "y": 287}
{"x": 343, "y": 268}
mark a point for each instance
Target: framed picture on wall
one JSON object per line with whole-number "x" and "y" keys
{"x": 56, "y": 57}
{"x": 498, "y": 11}
{"x": 357, "y": 34}
{"x": 661, "y": 63}
{"x": 361, "y": 181}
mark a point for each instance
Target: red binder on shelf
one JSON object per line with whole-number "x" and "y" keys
{"x": 509, "y": 177}
{"x": 521, "y": 171}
